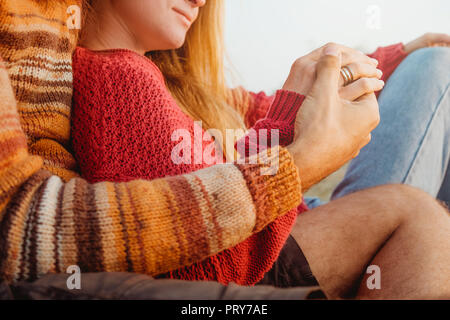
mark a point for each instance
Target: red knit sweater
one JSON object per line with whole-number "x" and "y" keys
{"x": 122, "y": 125}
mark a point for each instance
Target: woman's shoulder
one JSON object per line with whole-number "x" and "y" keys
{"x": 117, "y": 81}
{"x": 115, "y": 64}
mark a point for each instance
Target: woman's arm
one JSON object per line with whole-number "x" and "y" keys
{"x": 141, "y": 226}
{"x": 278, "y": 120}
{"x": 280, "y": 111}
{"x": 256, "y": 106}
{"x": 388, "y": 58}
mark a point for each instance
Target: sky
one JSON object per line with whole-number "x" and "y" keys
{"x": 264, "y": 37}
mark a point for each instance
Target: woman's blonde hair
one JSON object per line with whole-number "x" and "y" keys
{"x": 195, "y": 73}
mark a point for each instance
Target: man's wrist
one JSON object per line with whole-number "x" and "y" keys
{"x": 301, "y": 156}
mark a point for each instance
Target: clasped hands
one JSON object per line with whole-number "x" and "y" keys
{"x": 335, "y": 121}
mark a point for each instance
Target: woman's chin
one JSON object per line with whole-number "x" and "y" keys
{"x": 168, "y": 40}
{"x": 177, "y": 38}
{"x": 178, "y": 43}
{"x": 172, "y": 44}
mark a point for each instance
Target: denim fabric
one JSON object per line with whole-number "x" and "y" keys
{"x": 312, "y": 202}
{"x": 412, "y": 143}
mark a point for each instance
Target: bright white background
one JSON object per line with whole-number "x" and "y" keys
{"x": 264, "y": 37}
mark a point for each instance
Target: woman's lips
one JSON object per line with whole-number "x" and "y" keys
{"x": 185, "y": 16}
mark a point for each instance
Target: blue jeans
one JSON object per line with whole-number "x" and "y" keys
{"x": 412, "y": 143}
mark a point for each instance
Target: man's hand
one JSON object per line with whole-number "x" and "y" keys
{"x": 330, "y": 127}
{"x": 303, "y": 70}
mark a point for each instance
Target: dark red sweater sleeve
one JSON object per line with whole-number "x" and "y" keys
{"x": 259, "y": 104}
{"x": 389, "y": 58}
{"x": 277, "y": 125}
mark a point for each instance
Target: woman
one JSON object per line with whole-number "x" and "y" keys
{"x": 120, "y": 111}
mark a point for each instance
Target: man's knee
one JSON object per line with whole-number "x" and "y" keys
{"x": 412, "y": 202}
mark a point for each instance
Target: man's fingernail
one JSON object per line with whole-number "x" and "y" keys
{"x": 331, "y": 51}
{"x": 374, "y": 61}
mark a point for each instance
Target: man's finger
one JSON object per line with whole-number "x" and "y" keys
{"x": 367, "y": 108}
{"x": 361, "y": 70}
{"x": 328, "y": 68}
{"x": 361, "y": 87}
{"x": 349, "y": 55}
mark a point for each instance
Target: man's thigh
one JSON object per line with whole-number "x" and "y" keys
{"x": 340, "y": 238}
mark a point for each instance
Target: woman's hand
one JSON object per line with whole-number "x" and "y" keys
{"x": 303, "y": 71}
{"x": 428, "y": 40}
{"x": 330, "y": 129}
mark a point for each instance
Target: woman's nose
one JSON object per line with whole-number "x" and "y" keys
{"x": 197, "y": 3}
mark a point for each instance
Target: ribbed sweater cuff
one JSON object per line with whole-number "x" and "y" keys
{"x": 389, "y": 58}
{"x": 285, "y": 106}
{"x": 280, "y": 117}
{"x": 394, "y": 54}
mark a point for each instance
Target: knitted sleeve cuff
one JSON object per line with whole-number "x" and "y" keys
{"x": 276, "y": 128}
{"x": 285, "y": 106}
{"x": 389, "y": 58}
{"x": 274, "y": 184}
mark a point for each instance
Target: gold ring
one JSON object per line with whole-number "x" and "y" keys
{"x": 347, "y": 75}
{"x": 350, "y": 73}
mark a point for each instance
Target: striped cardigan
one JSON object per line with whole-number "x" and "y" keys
{"x": 51, "y": 219}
